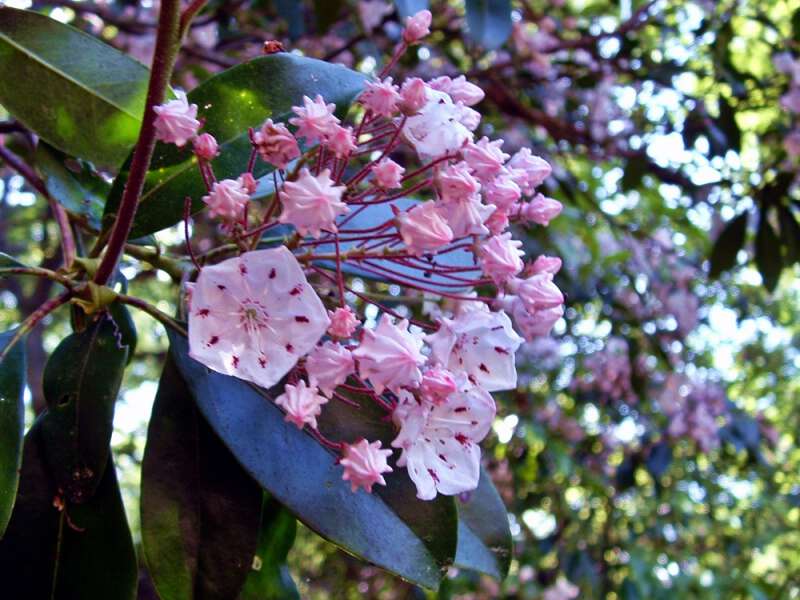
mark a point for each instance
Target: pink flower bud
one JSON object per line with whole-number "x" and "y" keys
{"x": 485, "y": 158}
{"x": 502, "y": 191}
{"x": 364, "y": 464}
{"x": 541, "y": 210}
{"x": 534, "y": 324}
{"x": 315, "y": 120}
{"x": 417, "y": 27}
{"x": 437, "y": 385}
{"x": 176, "y": 121}
{"x": 412, "y": 96}
{"x": 205, "y": 146}
{"x": 459, "y": 89}
{"x": 312, "y": 203}
{"x": 529, "y": 170}
{"x": 537, "y": 291}
{"x": 248, "y": 183}
{"x": 387, "y": 174}
{"x": 500, "y": 258}
{"x": 341, "y": 141}
{"x": 381, "y": 97}
{"x": 227, "y": 199}
{"x": 497, "y": 222}
{"x": 329, "y": 366}
{"x": 547, "y": 264}
{"x": 343, "y": 322}
{"x": 423, "y": 229}
{"x": 454, "y": 183}
{"x": 275, "y": 144}
{"x": 302, "y": 404}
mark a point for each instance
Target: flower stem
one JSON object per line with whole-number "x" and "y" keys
{"x": 166, "y": 51}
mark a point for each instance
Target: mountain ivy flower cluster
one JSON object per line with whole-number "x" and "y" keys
{"x": 290, "y": 318}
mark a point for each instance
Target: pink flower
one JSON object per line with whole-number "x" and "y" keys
{"x": 341, "y": 141}
{"x": 533, "y": 324}
{"x": 413, "y": 96}
{"x": 454, "y": 182}
{"x": 364, "y": 464}
{"x": 437, "y": 385}
{"x": 388, "y": 174}
{"x": 561, "y": 590}
{"x": 275, "y": 144}
{"x": 437, "y": 128}
{"x": 459, "y": 89}
{"x": 312, "y": 203}
{"x": 547, "y": 264}
{"x": 205, "y": 146}
{"x": 390, "y": 356}
{"x": 381, "y": 97}
{"x": 315, "y": 120}
{"x": 302, "y": 404}
{"x": 502, "y": 191}
{"x": 529, "y": 170}
{"x": 465, "y": 215}
{"x": 423, "y": 229}
{"x": 537, "y": 291}
{"x": 481, "y": 343}
{"x": 541, "y": 210}
{"x": 485, "y": 158}
{"x": 227, "y": 199}
{"x": 343, "y": 322}
{"x": 254, "y": 316}
{"x": 500, "y": 258}
{"x": 329, "y": 366}
{"x": 417, "y": 27}
{"x": 176, "y": 121}
{"x": 248, "y": 183}
{"x": 439, "y": 442}
{"x": 497, "y": 222}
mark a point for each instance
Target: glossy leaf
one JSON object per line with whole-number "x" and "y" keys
{"x": 727, "y": 246}
{"x": 231, "y": 102}
{"x": 200, "y": 510}
{"x": 407, "y": 272}
{"x": 81, "y": 381}
{"x": 123, "y": 320}
{"x": 94, "y": 93}
{"x": 406, "y": 8}
{"x": 489, "y": 22}
{"x": 768, "y": 253}
{"x": 72, "y": 183}
{"x": 269, "y": 577}
{"x": 12, "y": 422}
{"x": 85, "y": 551}
{"x": 303, "y": 476}
{"x": 484, "y": 536}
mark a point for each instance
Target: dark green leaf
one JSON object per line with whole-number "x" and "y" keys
{"x": 727, "y": 122}
{"x": 727, "y": 246}
{"x": 12, "y": 423}
{"x": 72, "y": 183}
{"x": 768, "y": 253}
{"x": 269, "y": 578}
{"x": 80, "y": 383}
{"x": 303, "y": 476}
{"x": 91, "y": 96}
{"x": 406, "y": 8}
{"x": 489, "y": 22}
{"x": 232, "y": 101}
{"x": 400, "y": 273}
{"x": 126, "y": 327}
{"x": 200, "y": 510}
{"x": 326, "y": 13}
{"x": 484, "y": 536}
{"x": 82, "y": 553}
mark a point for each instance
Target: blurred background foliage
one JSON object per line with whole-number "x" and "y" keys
{"x": 650, "y": 450}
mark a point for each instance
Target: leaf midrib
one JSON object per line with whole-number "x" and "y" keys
{"x": 64, "y": 75}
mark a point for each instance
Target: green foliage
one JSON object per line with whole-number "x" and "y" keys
{"x": 90, "y": 96}
{"x": 728, "y": 244}
{"x": 81, "y": 381}
{"x": 78, "y": 551}
{"x": 234, "y": 100}
{"x": 12, "y": 410}
{"x": 200, "y": 510}
{"x": 393, "y": 530}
